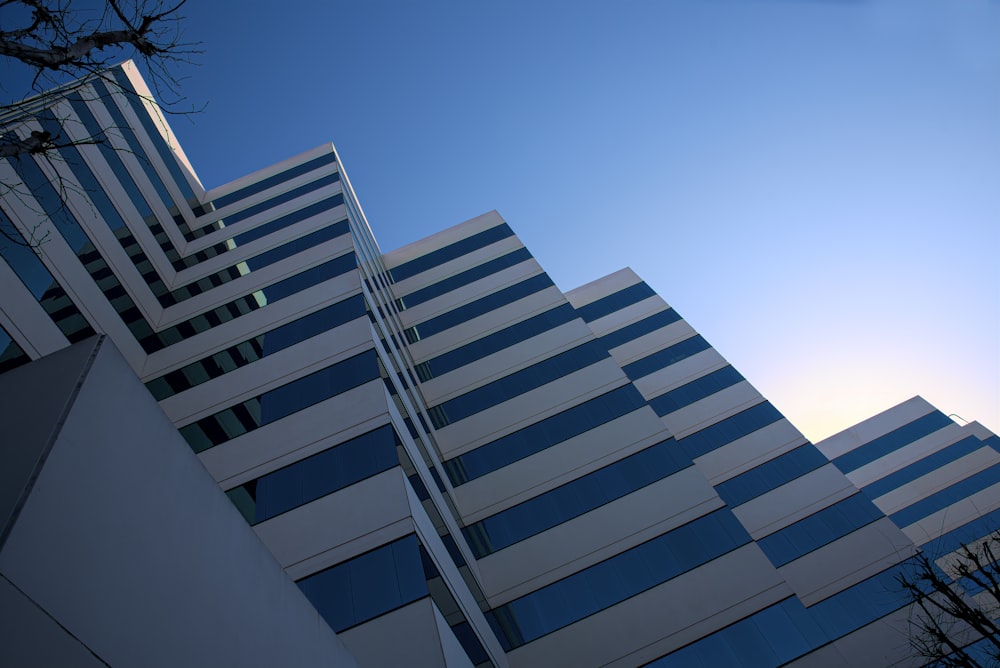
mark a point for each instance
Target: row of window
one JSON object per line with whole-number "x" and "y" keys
{"x": 42, "y": 285}
{"x": 642, "y": 327}
{"x": 281, "y": 401}
{"x": 495, "y": 342}
{"x": 574, "y": 498}
{"x": 894, "y": 440}
{"x": 616, "y": 579}
{"x": 772, "y": 637}
{"x": 615, "y": 302}
{"x": 316, "y": 476}
{"x": 728, "y": 430}
{"x": 787, "y": 630}
{"x": 771, "y": 474}
{"x": 167, "y": 155}
{"x": 11, "y": 354}
{"x": 285, "y": 250}
{"x": 819, "y": 529}
{"x": 930, "y": 463}
{"x": 664, "y": 358}
{"x": 450, "y": 252}
{"x": 288, "y": 219}
{"x": 383, "y": 580}
{"x": 478, "y": 307}
{"x": 368, "y": 585}
{"x": 517, "y": 383}
{"x": 697, "y": 389}
{"x": 543, "y": 434}
{"x": 464, "y": 278}
{"x": 264, "y": 184}
{"x": 124, "y": 177}
{"x": 968, "y": 532}
{"x": 113, "y": 159}
{"x": 242, "y": 305}
{"x": 947, "y": 496}
{"x": 69, "y": 228}
{"x": 260, "y": 346}
{"x": 109, "y": 213}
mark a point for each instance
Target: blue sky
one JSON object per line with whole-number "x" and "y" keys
{"x": 813, "y": 185}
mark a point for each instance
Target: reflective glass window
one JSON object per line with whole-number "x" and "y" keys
{"x": 771, "y": 475}
{"x": 615, "y": 302}
{"x": 895, "y": 439}
{"x": 616, "y": 579}
{"x": 697, "y": 389}
{"x": 318, "y": 475}
{"x": 464, "y": 278}
{"x": 819, "y": 529}
{"x": 282, "y": 177}
{"x": 281, "y": 401}
{"x": 574, "y": 498}
{"x": 450, "y": 252}
{"x": 640, "y": 328}
{"x": 495, "y": 342}
{"x": 664, "y": 358}
{"x": 728, "y": 430}
{"x": 543, "y": 434}
{"x": 517, "y": 383}
{"x": 478, "y": 307}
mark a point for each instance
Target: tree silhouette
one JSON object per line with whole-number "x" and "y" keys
{"x": 956, "y": 604}
{"x": 56, "y": 47}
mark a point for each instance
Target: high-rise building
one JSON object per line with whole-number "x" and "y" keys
{"x": 454, "y": 461}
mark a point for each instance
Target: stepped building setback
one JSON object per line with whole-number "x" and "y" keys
{"x": 235, "y": 432}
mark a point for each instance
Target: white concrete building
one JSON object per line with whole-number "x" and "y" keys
{"x": 457, "y": 463}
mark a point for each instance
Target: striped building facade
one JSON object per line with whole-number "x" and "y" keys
{"x": 454, "y": 461}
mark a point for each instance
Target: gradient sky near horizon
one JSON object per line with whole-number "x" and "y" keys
{"x": 813, "y": 184}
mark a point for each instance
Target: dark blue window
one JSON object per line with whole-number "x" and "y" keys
{"x": 294, "y": 246}
{"x": 166, "y": 154}
{"x": 288, "y": 219}
{"x": 318, "y": 475}
{"x": 40, "y": 283}
{"x": 641, "y": 328}
{"x": 771, "y": 637}
{"x": 615, "y": 302}
{"x": 11, "y": 354}
{"x": 517, "y": 383}
{"x": 861, "y": 604}
{"x": 574, "y": 498}
{"x": 664, "y": 358}
{"x": 264, "y": 184}
{"x": 495, "y": 342}
{"x": 282, "y": 401}
{"x": 69, "y": 228}
{"x": 771, "y": 475}
{"x": 477, "y": 308}
{"x": 698, "y": 389}
{"x": 368, "y": 585}
{"x": 947, "y": 496}
{"x": 730, "y": 429}
{"x": 543, "y": 434}
{"x": 464, "y": 278}
{"x": 611, "y": 581}
{"x": 892, "y": 441}
{"x": 924, "y": 466}
{"x": 450, "y": 252}
{"x": 272, "y": 293}
{"x": 966, "y": 533}
{"x": 819, "y": 529}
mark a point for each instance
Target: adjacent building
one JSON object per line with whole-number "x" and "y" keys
{"x": 456, "y": 463}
